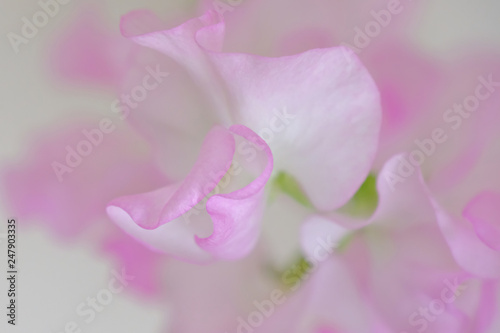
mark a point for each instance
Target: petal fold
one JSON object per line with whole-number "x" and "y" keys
{"x": 152, "y": 209}
{"x": 484, "y": 213}
{"x": 237, "y": 215}
{"x": 172, "y": 219}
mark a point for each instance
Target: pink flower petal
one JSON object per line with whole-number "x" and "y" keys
{"x": 153, "y": 209}
{"x": 175, "y": 237}
{"x": 163, "y": 219}
{"x": 334, "y": 104}
{"x": 237, "y": 215}
{"x": 137, "y": 261}
{"x": 397, "y": 197}
{"x": 74, "y": 201}
{"x": 187, "y": 44}
{"x": 396, "y": 274}
{"x": 487, "y": 309}
{"x": 88, "y": 52}
{"x": 328, "y": 297}
{"x": 318, "y": 227}
{"x": 469, "y": 251}
{"x": 321, "y": 104}
{"x": 409, "y": 204}
{"x": 484, "y": 213}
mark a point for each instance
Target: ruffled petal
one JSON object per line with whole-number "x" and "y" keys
{"x": 171, "y": 220}
{"x": 237, "y": 215}
{"x": 175, "y": 237}
{"x": 153, "y": 209}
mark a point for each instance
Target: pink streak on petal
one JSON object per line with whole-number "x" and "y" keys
{"x": 237, "y": 215}
{"x": 484, "y": 213}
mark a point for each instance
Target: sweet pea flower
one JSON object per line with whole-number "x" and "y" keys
{"x": 336, "y": 111}
{"x": 232, "y": 131}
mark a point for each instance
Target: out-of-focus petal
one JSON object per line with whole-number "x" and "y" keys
{"x": 407, "y": 217}
{"x": 397, "y": 197}
{"x": 484, "y": 214}
{"x": 488, "y": 307}
{"x": 410, "y": 85}
{"x": 215, "y": 293}
{"x": 252, "y": 27}
{"x": 69, "y": 198}
{"x": 469, "y": 251}
{"x": 88, "y": 52}
{"x": 316, "y": 305}
{"x": 318, "y": 227}
{"x": 138, "y": 261}
{"x": 468, "y": 114}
